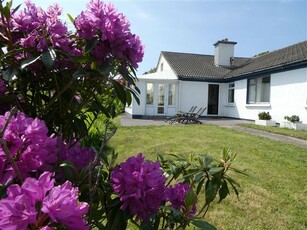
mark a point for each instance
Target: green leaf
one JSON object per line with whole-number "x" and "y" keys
{"x": 71, "y": 19}
{"x": 70, "y": 170}
{"x": 233, "y": 184}
{"x": 29, "y": 61}
{"x": 224, "y": 191}
{"x": 190, "y": 199}
{"x": 49, "y": 57}
{"x": 106, "y": 68}
{"x": 203, "y": 225}
{"x": 16, "y": 9}
{"x": 215, "y": 170}
{"x": 211, "y": 189}
{"x": 198, "y": 177}
{"x": 79, "y": 74}
{"x": 208, "y": 160}
{"x": 9, "y": 74}
{"x": 6, "y": 11}
{"x": 136, "y": 96}
{"x": 117, "y": 218}
{"x": 13, "y": 53}
{"x": 199, "y": 186}
{"x": 91, "y": 44}
{"x": 120, "y": 91}
{"x": 9, "y": 4}
{"x": 128, "y": 98}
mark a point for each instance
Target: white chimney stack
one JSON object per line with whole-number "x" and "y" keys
{"x": 224, "y": 52}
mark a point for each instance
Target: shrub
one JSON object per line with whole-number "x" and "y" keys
{"x": 264, "y": 116}
{"x": 293, "y": 118}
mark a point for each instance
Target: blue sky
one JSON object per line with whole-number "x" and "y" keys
{"x": 193, "y": 26}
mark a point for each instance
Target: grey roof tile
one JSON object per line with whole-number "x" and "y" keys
{"x": 201, "y": 67}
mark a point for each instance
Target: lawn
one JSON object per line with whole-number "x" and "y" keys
{"x": 274, "y": 198}
{"x": 301, "y": 134}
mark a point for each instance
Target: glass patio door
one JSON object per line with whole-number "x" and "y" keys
{"x": 161, "y": 99}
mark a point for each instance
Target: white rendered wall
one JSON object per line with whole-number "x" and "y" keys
{"x": 288, "y": 97}
{"x": 193, "y": 93}
{"x": 289, "y": 94}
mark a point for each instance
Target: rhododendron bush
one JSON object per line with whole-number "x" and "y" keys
{"x": 54, "y": 175}
{"x": 67, "y": 77}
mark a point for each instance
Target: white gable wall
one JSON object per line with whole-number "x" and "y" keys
{"x": 166, "y": 66}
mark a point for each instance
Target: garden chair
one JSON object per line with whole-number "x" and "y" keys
{"x": 194, "y": 117}
{"x": 180, "y": 115}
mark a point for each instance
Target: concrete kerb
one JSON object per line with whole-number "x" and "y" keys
{"x": 222, "y": 122}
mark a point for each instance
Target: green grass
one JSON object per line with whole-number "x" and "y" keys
{"x": 275, "y": 198}
{"x": 301, "y": 134}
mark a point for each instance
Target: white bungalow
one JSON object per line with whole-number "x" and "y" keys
{"x": 228, "y": 86}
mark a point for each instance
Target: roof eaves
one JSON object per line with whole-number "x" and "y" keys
{"x": 271, "y": 69}
{"x": 199, "y": 78}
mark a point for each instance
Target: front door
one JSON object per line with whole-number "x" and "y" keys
{"x": 213, "y": 99}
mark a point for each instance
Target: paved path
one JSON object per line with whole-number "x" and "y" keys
{"x": 223, "y": 122}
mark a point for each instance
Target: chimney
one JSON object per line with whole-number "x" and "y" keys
{"x": 224, "y": 52}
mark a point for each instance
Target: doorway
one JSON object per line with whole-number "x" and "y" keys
{"x": 213, "y": 99}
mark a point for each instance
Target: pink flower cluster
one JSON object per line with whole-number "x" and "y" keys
{"x": 111, "y": 28}
{"x": 140, "y": 186}
{"x": 34, "y": 27}
{"x": 29, "y": 145}
{"x": 177, "y": 196}
{"x": 58, "y": 203}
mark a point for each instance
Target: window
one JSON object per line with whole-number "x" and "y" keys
{"x": 231, "y": 93}
{"x": 161, "y": 66}
{"x": 150, "y": 94}
{"x": 258, "y": 90}
{"x": 171, "y": 94}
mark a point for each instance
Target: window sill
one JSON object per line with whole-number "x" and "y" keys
{"x": 259, "y": 105}
{"x": 230, "y": 105}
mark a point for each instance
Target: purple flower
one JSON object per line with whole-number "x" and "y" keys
{"x": 177, "y": 196}
{"x": 29, "y": 146}
{"x": 17, "y": 210}
{"x": 60, "y": 203}
{"x": 37, "y": 189}
{"x": 40, "y": 29}
{"x": 80, "y": 156}
{"x": 111, "y": 28}
{"x": 140, "y": 186}
{"x": 62, "y": 206}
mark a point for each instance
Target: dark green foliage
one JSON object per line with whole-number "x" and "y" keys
{"x": 264, "y": 116}
{"x": 68, "y": 92}
{"x": 293, "y": 118}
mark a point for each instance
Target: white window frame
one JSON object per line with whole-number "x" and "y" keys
{"x": 231, "y": 87}
{"x": 261, "y": 90}
{"x": 152, "y": 93}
